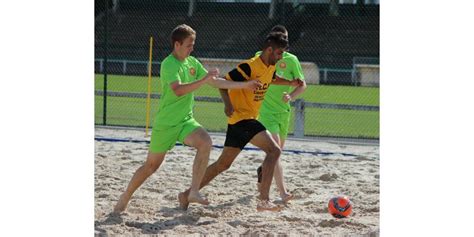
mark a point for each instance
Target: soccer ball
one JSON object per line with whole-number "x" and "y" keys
{"x": 340, "y": 207}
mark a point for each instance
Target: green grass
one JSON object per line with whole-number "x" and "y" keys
{"x": 321, "y": 122}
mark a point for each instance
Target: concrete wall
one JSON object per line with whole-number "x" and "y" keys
{"x": 368, "y": 75}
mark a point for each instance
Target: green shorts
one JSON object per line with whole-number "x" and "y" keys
{"x": 276, "y": 123}
{"x": 163, "y": 138}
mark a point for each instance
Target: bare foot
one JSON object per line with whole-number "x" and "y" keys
{"x": 183, "y": 201}
{"x": 197, "y": 198}
{"x": 266, "y": 205}
{"x": 287, "y": 197}
{"x": 121, "y": 205}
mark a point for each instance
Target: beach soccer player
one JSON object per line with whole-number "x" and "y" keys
{"x": 181, "y": 74}
{"x": 242, "y": 106}
{"x": 275, "y": 110}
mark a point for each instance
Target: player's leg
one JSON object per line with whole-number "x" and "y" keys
{"x": 162, "y": 140}
{"x": 273, "y": 123}
{"x": 264, "y": 141}
{"x": 232, "y": 148}
{"x": 152, "y": 163}
{"x": 200, "y": 140}
{"x": 225, "y": 160}
{"x": 279, "y": 177}
{"x": 222, "y": 164}
{"x": 270, "y": 121}
{"x": 284, "y": 121}
{"x": 277, "y": 174}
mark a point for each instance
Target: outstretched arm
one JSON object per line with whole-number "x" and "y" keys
{"x": 182, "y": 89}
{"x": 222, "y": 83}
{"x": 237, "y": 78}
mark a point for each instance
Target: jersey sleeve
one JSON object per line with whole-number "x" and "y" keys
{"x": 297, "y": 70}
{"x": 242, "y": 72}
{"x": 169, "y": 73}
{"x": 200, "y": 70}
{"x": 279, "y": 72}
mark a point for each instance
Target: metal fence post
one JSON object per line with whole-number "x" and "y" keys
{"x": 191, "y": 7}
{"x": 101, "y": 65}
{"x": 325, "y": 75}
{"x": 271, "y": 13}
{"x": 104, "y": 118}
{"x": 299, "y": 118}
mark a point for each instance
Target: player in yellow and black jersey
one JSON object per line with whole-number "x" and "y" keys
{"x": 246, "y": 103}
{"x": 242, "y": 106}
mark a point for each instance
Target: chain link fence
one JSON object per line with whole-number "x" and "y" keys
{"x": 337, "y": 43}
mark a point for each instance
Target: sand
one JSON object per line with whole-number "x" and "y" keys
{"x": 348, "y": 169}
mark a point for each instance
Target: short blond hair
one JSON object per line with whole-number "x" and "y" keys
{"x": 180, "y": 33}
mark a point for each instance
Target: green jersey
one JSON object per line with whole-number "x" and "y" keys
{"x": 288, "y": 68}
{"x": 172, "y": 109}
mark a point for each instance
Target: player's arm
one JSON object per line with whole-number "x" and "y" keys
{"x": 297, "y": 91}
{"x": 228, "y": 108}
{"x": 183, "y": 89}
{"x": 240, "y": 74}
{"x": 237, "y": 78}
{"x": 221, "y": 83}
{"x": 296, "y": 72}
{"x": 280, "y": 81}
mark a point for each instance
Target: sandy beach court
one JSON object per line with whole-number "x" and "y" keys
{"x": 323, "y": 170}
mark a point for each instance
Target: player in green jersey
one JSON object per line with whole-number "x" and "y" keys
{"x": 275, "y": 110}
{"x": 181, "y": 74}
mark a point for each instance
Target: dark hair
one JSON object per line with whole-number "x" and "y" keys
{"x": 279, "y": 28}
{"x": 180, "y": 33}
{"x": 275, "y": 40}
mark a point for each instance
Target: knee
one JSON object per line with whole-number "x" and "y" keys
{"x": 204, "y": 142}
{"x": 274, "y": 152}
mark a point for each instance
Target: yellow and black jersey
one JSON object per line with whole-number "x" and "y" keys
{"x": 247, "y": 102}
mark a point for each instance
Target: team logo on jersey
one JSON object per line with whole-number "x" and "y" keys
{"x": 283, "y": 65}
{"x": 192, "y": 71}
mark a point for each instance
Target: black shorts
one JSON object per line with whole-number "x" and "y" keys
{"x": 239, "y": 134}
